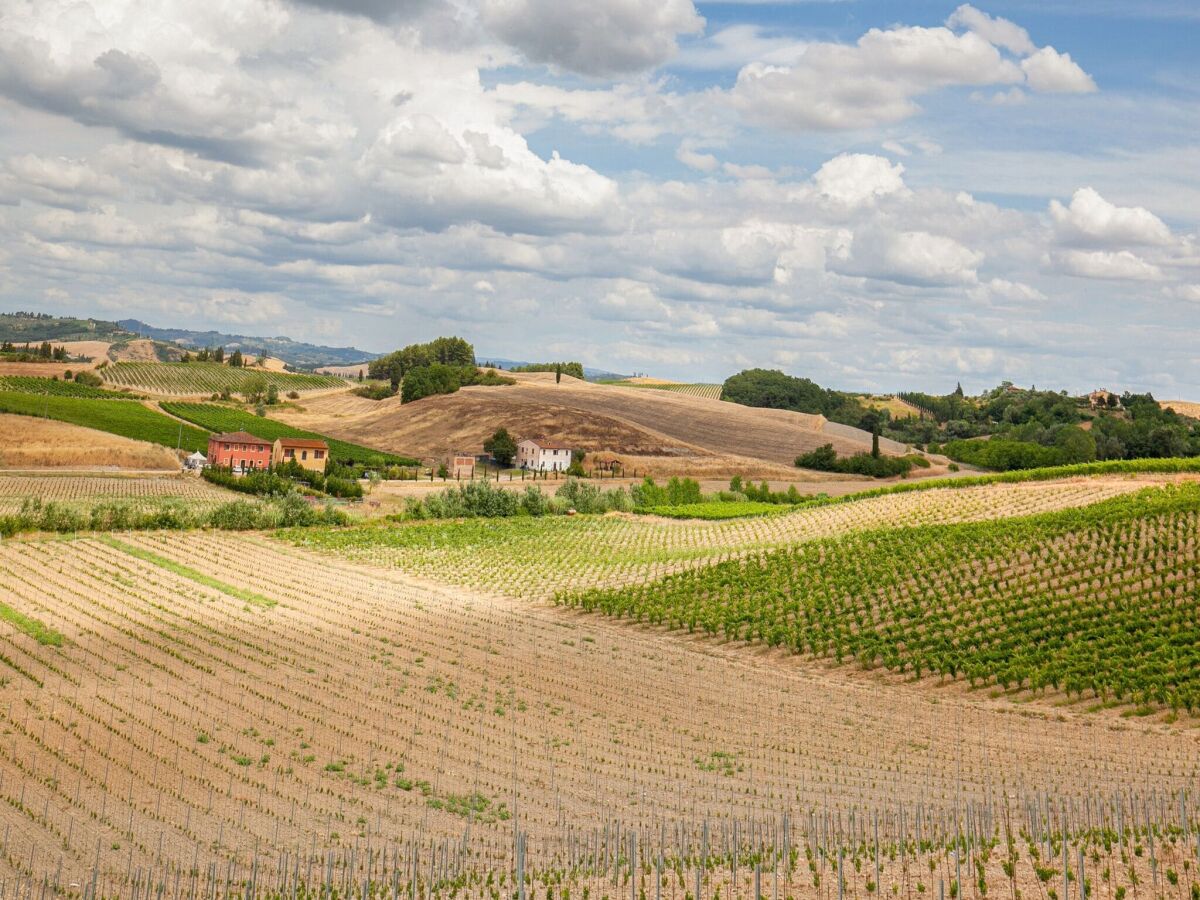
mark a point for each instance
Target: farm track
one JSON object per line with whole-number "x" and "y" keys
{"x": 356, "y": 669}
{"x": 534, "y": 559}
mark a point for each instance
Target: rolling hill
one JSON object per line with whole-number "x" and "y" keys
{"x": 635, "y": 423}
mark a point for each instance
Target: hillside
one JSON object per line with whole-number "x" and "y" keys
{"x": 634, "y": 423}
{"x": 294, "y": 353}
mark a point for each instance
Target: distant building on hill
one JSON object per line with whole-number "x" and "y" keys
{"x": 1103, "y": 399}
{"x": 309, "y": 453}
{"x": 539, "y": 455}
{"x": 239, "y": 450}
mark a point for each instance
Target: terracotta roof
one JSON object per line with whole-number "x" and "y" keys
{"x": 238, "y": 437}
{"x": 303, "y": 442}
{"x": 549, "y": 445}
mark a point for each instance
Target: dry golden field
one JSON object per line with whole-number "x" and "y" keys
{"x": 27, "y": 442}
{"x": 204, "y": 714}
{"x": 664, "y": 431}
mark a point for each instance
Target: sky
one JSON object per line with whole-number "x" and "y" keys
{"x": 876, "y": 195}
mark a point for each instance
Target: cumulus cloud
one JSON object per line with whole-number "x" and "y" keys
{"x": 998, "y": 31}
{"x": 602, "y": 38}
{"x": 910, "y": 257}
{"x": 1049, "y": 71}
{"x": 1120, "y": 265}
{"x": 853, "y": 179}
{"x": 875, "y": 81}
{"x": 1091, "y": 219}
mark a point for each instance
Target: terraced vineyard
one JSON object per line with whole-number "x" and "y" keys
{"x": 127, "y": 418}
{"x": 187, "y": 379}
{"x": 86, "y": 491}
{"x": 215, "y": 715}
{"x": 221, "y": 418}
{"x": 535, "y": 558}
{"x": 1043, "y": 602}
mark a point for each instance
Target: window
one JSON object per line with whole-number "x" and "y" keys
{"x": 304, "y": 454}
{"x": 318, "y": 454}
{"x": 289, "y": 453}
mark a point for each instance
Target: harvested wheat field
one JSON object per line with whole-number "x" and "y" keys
{"x": 27, "y": 442}
{"x": 1183, "y": 407}
{"x": 207, "y": 714}
{"x": 630, "y": 421}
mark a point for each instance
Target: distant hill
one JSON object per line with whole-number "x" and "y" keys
{"x": 29, "y": 327}
{"x": 588, "y": 372}
{"x": 294, "y": 353}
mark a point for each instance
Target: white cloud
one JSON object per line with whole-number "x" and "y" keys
{"x": 909, "y": 257}
{"x": 1092, "y": 219}
{"x": 701, "y": 162}
{"x": 1120, "y": 265}
{"x": 1000, "y": 32}
{"x": 875, "y": 81}
{"x": 857, "y": 178}
{"x": 1049, "y": 71}
{"x": 601, "y": 38}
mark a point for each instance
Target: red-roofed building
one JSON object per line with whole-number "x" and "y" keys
{"x": 239, "y": 450}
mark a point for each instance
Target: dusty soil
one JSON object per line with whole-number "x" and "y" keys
{"x": 344, "y": 371}
{"x": 27, "y": 442}
{"x": 95, "y": 351}
{"x": 41, "y": 370}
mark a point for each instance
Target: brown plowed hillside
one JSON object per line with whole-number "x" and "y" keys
{"x": 626, "y": 421}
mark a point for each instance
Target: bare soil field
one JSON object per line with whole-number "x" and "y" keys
{"x": 344, "y": 371}
{"x": 228, "y": 710}
{"x": 32, "y": 443}
{"x": 41, "y": 370}
{"x": 632, "y": 423}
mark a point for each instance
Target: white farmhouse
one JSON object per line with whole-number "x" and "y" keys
{"x": 543, "y": 456}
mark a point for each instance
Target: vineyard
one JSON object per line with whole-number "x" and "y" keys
{"x": 222, "y": 419}
{"x": 127, "y": 418}
{"x": 25, "y": 384}
{"x": 708, "y": 391}
{"x": 86, "y": 491}
{"x": 1044, "y": 602}
{"x": 214, "y": 715}
{"x": 184, "y": 379}
{"x": 535, "y": 558}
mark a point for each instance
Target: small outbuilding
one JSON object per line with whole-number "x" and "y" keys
{"x": 460, "y": 465}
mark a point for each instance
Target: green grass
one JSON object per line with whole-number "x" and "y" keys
{"x": 1100, "y": 600}
{"x": 126, "y": 418}
{"x": 208, "y": 378}
{"x": 36, "y": 629}
{"x": 28, "y": 384}
{"x": 713, "y": 510}
{"x": 222, "y": 418}
{"x": 187, "y": 572}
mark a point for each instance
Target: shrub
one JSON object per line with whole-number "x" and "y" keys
{"x": 374, "y": 391}
{"x": 534, "y": 502}
{"x": 825, "y": 459}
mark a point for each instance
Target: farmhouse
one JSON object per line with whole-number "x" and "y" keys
{"x": 309, "y": 453}
{"x": 1103, "y": 399}
{"x": 543, "y": 456}
{"x": 238, "y": 450}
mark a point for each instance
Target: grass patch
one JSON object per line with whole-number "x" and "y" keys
{"x": 36, "y": 629}
{"x": 187, "y": 572}
{"x": 126, "y": 418}
{"x": 713, "y": 510}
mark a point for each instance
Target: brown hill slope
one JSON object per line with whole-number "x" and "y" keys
{"x": 631, "y": 422}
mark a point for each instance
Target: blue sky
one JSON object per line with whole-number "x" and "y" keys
{"x": 873, "y": 194}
